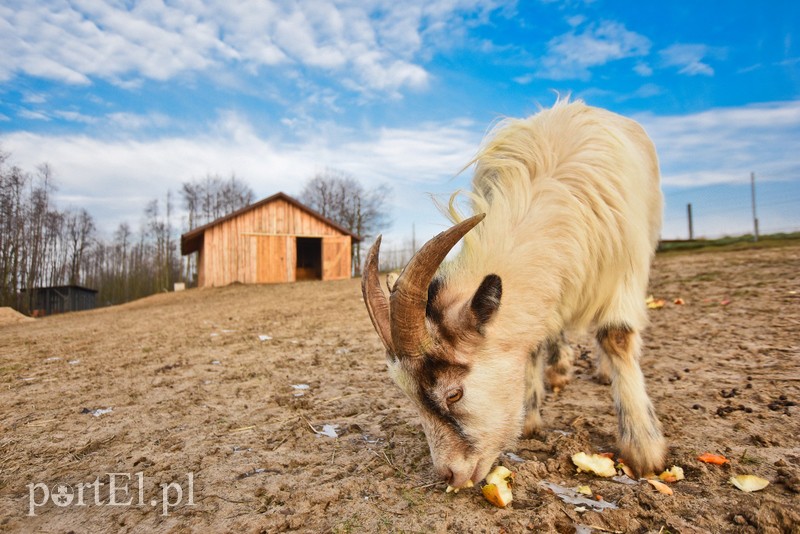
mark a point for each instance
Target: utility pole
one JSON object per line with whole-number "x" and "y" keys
{"x": 753, "y": 196}
{"x": 691, "y": 224}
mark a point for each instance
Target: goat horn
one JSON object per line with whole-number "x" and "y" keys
{"x": 377, "y": 304}
{"x": 410, "y": 296}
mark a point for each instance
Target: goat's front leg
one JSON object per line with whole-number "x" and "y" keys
{"x": 641, "y": 444}
{"x": 534, "y": 391}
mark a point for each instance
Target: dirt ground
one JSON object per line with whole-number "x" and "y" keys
{"x": 233, "y": 396}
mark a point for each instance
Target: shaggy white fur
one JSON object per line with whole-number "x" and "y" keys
{"x": 573, "y": 213}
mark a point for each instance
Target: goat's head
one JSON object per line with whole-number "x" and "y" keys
{"x": 470, "y": 399}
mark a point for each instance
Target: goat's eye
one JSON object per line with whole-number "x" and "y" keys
{"x": 455, "y": 395}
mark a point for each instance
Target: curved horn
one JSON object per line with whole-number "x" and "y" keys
{"x": 410, "y": 296}
{"x": 377, "y": 304}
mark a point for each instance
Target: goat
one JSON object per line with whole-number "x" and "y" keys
{"x": 568, "y": 213}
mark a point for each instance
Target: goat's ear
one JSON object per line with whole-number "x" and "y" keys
{"x": 433, "y": 290}
{"x": 486, "y": 301}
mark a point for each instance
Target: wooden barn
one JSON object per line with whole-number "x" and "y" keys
{"x": 274, "y": 240}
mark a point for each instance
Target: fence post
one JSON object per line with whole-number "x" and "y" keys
{"x": 691, "y": 224}
{"x": 753, "y": 196}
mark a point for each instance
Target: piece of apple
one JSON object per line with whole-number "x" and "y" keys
{"x": 498, "y": 487}
{"x": 597, "y": 464}
{"x": 749, "y": 483}
{"x": 673, "y": 474}
{"x": 660, "y": 486}
{"x": 450, "y": 488}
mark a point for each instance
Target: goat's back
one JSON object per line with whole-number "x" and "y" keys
{"x": 572, "y": 191}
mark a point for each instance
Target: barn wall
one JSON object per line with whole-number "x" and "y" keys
{"x": 61, "y": 299}
{"x": 258, "y": 246}
{"x": 201, "y": 267}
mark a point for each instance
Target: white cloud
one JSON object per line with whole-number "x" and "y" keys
{"x": 130, "y": 122}
{"x": 688, "y": 58}
{"x": 74, "y": 116}
{"x": 643, "y": 69}
{"x": 370, "y": 45}
{"x": 33, "y": 115}
{"x": 115, "y": 178}
{"x": 525, "y": 79}
{"x": 573, "y": 54}
{"x": 724, "y": 145}
{"x": 647, "y": 90}
{"x": 576, "y": 20}
{"x": 34, "y": 98}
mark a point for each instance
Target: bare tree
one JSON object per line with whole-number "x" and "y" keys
{"x": 212, "y": 197}
{"x": 12, "y": 226}
{"x": 37, "y": 233}
{"x": 338, "y": 196}
{"x": 209, "y": 198}
{"x": 80, "y": 230}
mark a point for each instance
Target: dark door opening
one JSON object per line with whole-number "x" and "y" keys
{"x": 309, "y": 258}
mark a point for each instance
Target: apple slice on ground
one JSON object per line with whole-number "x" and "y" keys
{"x": 450, "y": 488}
{"x": 498, "y": 487}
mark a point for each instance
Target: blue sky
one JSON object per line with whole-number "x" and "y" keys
{"x": 126, "y": 100}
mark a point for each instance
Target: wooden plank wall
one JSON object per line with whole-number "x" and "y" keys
{"x": 273, "y": 250}
{"x": 336, "y": 257}
{"x": 259, "y": 246}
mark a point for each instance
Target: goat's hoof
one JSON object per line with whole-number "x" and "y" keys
{"x": 557, "y": 380}
{"x": 532, "y": 428}
{"x": 602, "y": 378}
{"x": 531, "y": 434}
{"x": 645, "y": 460}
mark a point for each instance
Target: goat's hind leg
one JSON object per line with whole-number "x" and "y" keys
{"x": 602, "y": 366}
{"x": 534, "y": 391}
{"x": 560, "y": 358}
{"x": 640, "y": 441}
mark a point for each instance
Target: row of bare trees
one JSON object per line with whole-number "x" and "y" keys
{"x": 42, "y": 245}
{"x": 344, "y": 200}
{"x": 39, "y": 244}
{"x": 133, "y": 265}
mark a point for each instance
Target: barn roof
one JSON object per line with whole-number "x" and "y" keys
{"x": 191, "y": 241}
{"x": 63, "y": 288}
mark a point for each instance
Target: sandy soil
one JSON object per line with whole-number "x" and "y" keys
{"x": 200, "y": 399}
{"x": 10, "y": 315}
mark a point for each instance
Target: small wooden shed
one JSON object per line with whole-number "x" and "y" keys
{"x": 274, "y": 240}
{"x": 61, "y": 299}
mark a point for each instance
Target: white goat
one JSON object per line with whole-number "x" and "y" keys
{"x": 572, "y": 210}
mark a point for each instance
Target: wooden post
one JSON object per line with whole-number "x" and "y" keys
{"x": 691, "y": 223}
{"x": 753, "y": 197}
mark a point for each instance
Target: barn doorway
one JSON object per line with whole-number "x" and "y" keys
{"x": 309, "y": 258}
